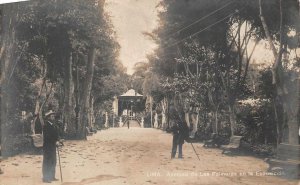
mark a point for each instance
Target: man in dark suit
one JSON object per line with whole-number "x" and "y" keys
{"x": 50, "y": 133}
{"x": 180, "y": 133}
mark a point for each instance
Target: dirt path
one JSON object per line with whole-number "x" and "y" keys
{"x": 138, "y": 156}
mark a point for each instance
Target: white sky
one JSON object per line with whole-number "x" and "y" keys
{"x": 263, "y": 55}
{"x": 130, "y": 19}
{"x": 10, "y": 1}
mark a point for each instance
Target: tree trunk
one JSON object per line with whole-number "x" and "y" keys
{"x": 68, "y": 108}
{"x": 216, "y": 121}
{"x": 37, "y": 106}
{"x": 168, "y": 112}
{"x": 164, "y": 105}
{"x": 8, "y": 48}
{"x": 195, "y": 120}
{"x": 39, "y": 103}
{"x": 232, "y": 118}
{"x": 291, "y": 107}
{"x": 293, "y": 131}
{"x": 287, "y": 97}
{"x": 83, "y": 120}
{"x": 278, "y": 125}
{"x": 77, "y": 96}
{"x": 91, "y": 112}
{"x": 48, "y": 94}
{"x": 187, "y": 119}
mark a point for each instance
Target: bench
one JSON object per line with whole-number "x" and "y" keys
{"x": 213, "y": 141}
{"x": 37, "y": 143}
{"x": 287, "y": 158}
{"x": 37, "y": 140}
{"x": 234, "y": 144}
{"x": 88, "y": 132}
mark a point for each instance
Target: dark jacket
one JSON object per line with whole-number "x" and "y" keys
{"x": 180, "y": 132}
{"x": 50, "y": 134}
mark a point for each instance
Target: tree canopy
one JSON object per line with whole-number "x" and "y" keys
{"x": 206, "y": 52}
{"x": 59, "y": 55}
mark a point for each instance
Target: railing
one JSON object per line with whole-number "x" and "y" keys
{"x": 125, "y": 119}
{"x": 139, "y": 120}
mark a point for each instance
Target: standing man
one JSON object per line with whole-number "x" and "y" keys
{"x": 180, "y": 133}
{"x": 50, "y": 132}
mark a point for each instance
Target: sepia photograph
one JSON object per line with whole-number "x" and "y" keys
{"x": 150, "y": 92}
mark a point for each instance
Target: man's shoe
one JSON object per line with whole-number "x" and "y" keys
{"x": 46, "y": 181}
{"x": 55, "y": 179}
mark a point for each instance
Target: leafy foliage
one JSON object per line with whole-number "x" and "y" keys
{"x": 50, "y": 35}
{"x": 203, "y": 57}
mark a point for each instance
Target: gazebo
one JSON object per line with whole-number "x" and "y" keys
{"x": 128, "y": 106}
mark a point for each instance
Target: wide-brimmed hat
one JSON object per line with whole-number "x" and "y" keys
{"x": 50, "y": 113}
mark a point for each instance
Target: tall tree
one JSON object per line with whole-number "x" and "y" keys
{"x": 9, "y": 57}
{"x": 52, "y": 51}
{"x": 287, "y": 86}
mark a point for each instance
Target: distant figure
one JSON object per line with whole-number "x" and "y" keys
{"x": 128, "y": 124}
{"x": 50, "y": 132}
{"x": 180, "y": 133}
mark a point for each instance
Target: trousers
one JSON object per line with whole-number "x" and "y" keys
{"x": 175, "y": 144}
{"x": 49, "y": 162}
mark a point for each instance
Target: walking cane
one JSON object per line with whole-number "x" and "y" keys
{"x": 195, "y": 151}
{"x": 61, "y": 177}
